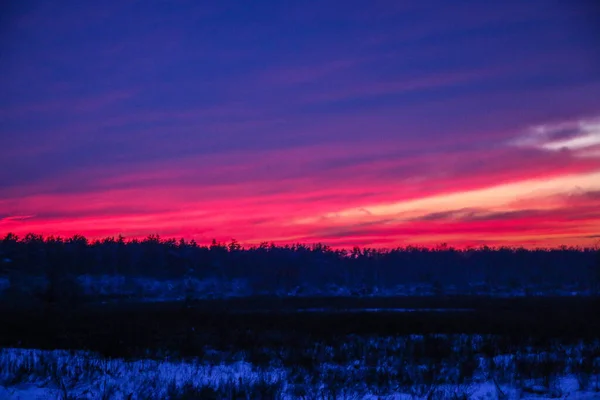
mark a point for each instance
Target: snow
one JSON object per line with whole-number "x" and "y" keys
{"x": 36, "y": 374}
{"x": 87, "y": 376}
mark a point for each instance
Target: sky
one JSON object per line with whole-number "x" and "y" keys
{"x": 353, "y": 123}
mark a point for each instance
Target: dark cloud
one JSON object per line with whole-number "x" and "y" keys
{"x": 503, "y": 216}
{"x": 10, "y": 218}
{"x": 564, "y": 133}
{"x": 462, "y": 214}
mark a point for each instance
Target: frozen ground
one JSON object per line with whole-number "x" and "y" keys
{"x": 37, "y": 374}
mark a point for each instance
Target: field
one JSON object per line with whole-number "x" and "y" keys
{"x": 269, "y": 347}
{"x": 165, "y": 320}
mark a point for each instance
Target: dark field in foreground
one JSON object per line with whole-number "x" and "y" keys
{"x": 133, "y": 329}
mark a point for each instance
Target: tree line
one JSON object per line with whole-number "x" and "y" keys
{"x": 289, "y": 266}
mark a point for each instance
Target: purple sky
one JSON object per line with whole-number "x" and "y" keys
{"x": 349, "y": 122}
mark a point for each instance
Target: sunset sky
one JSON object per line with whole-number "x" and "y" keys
{"x": 371, "y": 123}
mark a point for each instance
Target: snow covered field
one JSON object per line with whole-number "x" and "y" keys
{"x": 375, "y": 368}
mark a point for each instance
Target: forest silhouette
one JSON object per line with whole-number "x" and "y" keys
{"x": 268, "y": 266}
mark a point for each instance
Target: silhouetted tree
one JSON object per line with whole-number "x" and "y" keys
{"x": 269, "y": 267}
